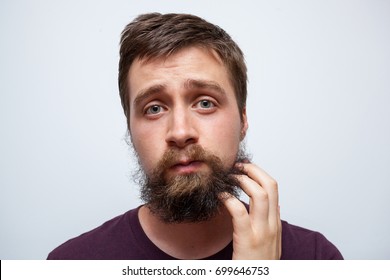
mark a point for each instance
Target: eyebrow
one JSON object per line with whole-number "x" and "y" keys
{"x": 145, "y": 93}
{"x": 190, "y": 84}
{"x": 204, "y": 84}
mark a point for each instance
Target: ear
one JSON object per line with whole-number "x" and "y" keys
{"x": 244, "y": 124}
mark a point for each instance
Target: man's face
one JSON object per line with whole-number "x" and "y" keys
{"x": 181, "y": 107}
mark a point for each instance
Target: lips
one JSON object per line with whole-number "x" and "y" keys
{"x": 184, "y": 162}
{"x": 186, "y": 166}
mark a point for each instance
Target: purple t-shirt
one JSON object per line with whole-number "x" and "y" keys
{"x": 123, "y": 238}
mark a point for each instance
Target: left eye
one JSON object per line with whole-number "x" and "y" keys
{"x": 206, "y": 104}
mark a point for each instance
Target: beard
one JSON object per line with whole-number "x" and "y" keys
{"x": 194, "y": 197}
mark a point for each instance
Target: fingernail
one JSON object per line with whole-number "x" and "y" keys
{"x": 224, "y": 195}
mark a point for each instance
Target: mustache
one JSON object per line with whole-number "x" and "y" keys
{"x": 192, "y": 153}
{"x": 171, "y": 156}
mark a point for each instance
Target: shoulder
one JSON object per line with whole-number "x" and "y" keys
{"x": 103, "y": 242}
{"x": 303, "y": 244}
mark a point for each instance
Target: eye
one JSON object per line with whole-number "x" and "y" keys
{"x": 153, "y": 110}
{"x": 206, "y": 104}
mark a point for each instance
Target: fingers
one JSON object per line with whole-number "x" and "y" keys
{"x": 257, "y": 234}
{"x": 262, "y": 190}
{"x": 240, "y": 218}
{"x": 258, "y": 200}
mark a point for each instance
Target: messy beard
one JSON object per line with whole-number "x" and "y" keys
{"x": 189, "y": 198}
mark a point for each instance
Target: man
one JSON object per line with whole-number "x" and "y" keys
{"x": 182, "y": 83}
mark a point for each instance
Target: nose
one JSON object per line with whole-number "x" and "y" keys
{"x": 181, "y": 129}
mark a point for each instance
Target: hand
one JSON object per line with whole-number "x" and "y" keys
{"x": 256, "y": 235}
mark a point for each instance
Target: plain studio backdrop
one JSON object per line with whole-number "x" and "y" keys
{"x": 318, "y": 107}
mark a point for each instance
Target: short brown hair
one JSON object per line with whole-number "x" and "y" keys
{"x": 157, "y": 35}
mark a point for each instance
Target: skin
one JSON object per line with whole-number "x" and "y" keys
{"x": 188, "y": 99}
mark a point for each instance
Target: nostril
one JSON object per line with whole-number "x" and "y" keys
{"x": 181, "y": 138}
{"x": 181, "y": 142}
{"x": 181, "y": 128}
{"x": 190, "y": 141}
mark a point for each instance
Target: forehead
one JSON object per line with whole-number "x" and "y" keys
{"x": 193, "y": 63}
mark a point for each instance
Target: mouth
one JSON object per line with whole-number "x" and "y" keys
{"x": 186, "y": 167}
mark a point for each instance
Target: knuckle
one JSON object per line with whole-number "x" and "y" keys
{"x": 237, "y": 209}
{"x": 272, "y": 183}
{"x": 260, "y": 195}
{"x": 241, "y": 212}
{"x": 273, "y": 231}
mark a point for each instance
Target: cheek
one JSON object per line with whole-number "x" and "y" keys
{"x": 147, "y": 145}
{"x": 224, "y": 140}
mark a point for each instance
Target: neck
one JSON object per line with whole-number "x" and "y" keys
{"x": 188, "y": 240}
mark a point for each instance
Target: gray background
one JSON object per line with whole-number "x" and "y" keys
{"x": 318, "y": 115}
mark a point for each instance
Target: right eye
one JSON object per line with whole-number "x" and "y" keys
{"x": 153, "y": 110}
